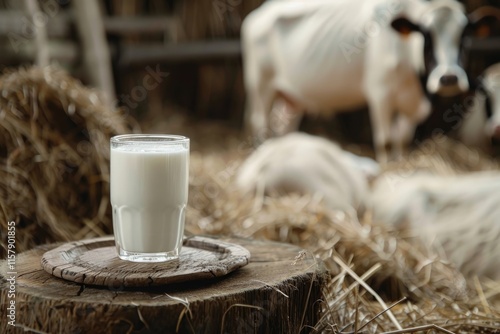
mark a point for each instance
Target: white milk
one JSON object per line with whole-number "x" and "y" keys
{"x": 149, "y": 193}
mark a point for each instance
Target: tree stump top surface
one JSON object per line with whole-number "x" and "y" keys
{"x": 279, "y": 291}
{"x": 271, "y": 264}
{"x": 96, "y": 262}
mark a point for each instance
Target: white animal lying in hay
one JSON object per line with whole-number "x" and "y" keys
{"x": 302, "y": 163}
{"x": 457, "y": 214}
{"x": 482, "y": 123}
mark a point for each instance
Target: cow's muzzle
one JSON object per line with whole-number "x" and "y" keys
{"x": 448, "y": 81}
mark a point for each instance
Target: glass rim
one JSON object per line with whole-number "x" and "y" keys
{"x": 149, "y": 138}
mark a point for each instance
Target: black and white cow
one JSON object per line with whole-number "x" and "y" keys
{"x": 329, "y": 56}
{"x": 481, "y": 125}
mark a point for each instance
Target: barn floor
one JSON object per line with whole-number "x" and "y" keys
{"x": 439, "y": 295}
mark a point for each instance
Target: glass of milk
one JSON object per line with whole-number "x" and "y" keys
{"x": 149, "y": 193}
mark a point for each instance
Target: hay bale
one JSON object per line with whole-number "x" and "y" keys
{"x": 54, "y": 157}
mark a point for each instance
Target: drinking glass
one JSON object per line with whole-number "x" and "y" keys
{"x": 149, "y": 193}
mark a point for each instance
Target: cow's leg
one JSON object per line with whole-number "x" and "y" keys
{"x": 285, "y": 115}
{"x": 402, "y": 132}
{"x": 258, "y": 79}
{"x": 257, "y": 115}
{"x": 414, "y": 104}
{"x": 260, "y": 95}
{"x": 381, "y": 113}
{"x": 413, "y": 108}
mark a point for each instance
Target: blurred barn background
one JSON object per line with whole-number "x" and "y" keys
{"x": 195, "y": 42}
{"x": 175, "y": 66}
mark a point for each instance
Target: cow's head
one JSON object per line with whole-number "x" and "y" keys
{"x": 443, "y": 26}
{"x": 488, "y": 100}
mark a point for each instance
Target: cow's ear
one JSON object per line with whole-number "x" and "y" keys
{"x": 404, "y": 26}
{"x": 482, "y": 21}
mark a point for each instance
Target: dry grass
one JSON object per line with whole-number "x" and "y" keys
{"x": 398, "y": 264}
{"x": 392, "y": 262}
{"x": 54, "y": 183}
{"x": 54, "y": 151}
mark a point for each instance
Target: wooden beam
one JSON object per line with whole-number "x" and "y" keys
{"x": 59, "y": 26}
{"x": 188, "y": 51}
{"x": 483, "y": 45}
{"x": 66, "y": 52}
{"x": 16, "y": 22}
{"x": 137, "y": 24}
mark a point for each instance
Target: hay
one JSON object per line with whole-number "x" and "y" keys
{"x": 443, "y": 156}
{"x": 393, "y": 263}
{"x": 54, "y": 183}
{"x": 54, "y": 151}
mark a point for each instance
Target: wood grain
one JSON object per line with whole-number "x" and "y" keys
{"x": 279, "y": 291}
{"x": 96, "y": 262}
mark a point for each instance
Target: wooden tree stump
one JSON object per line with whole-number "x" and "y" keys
{"x": 279, "y": 291}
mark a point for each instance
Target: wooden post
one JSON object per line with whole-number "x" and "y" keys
{"x": 89, "y": 21}
{"x": 279, "y": 291}
{"x": 41, "y": 41}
